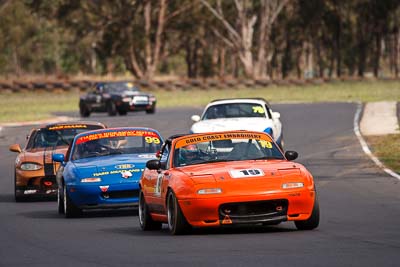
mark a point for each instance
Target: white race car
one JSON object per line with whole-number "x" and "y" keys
{"x": 252, "y": 114}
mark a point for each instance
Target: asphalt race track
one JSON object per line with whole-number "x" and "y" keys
{"x": 360, "y": 209}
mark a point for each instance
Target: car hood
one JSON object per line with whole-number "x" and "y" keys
{"x": 41, "y": 155}
{"x": 227, "y": 124}
{"x": 113, "y": 168}
{"x": 246, "y": 177}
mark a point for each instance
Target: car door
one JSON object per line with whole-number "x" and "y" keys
{"x": 276, "y": 125}
{"x": 158, "y": 182}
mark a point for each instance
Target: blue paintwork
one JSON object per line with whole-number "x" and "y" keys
{"x": 108, "y": 168}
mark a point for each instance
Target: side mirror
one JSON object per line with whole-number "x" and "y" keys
{"x": 291, "y": 155}
{"x": 58, "y": 157}
{"x": 276, "y": 115}
{"x": 153, "y": 164}
{"x": 195, "y": 118}
{"x": 15, "y": 148}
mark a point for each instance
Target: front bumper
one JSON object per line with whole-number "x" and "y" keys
{"x": 93, "y": 197}
{"x": 34, "y": 183}
{"x": 271, "y": 208}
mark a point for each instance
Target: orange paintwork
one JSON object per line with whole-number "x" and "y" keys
{"x": 203, "y": 210}
{"x": 42, "y": 180}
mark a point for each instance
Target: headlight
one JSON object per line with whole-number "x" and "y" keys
{"x": 206, "y": 191}
{"x": 90, "y": 180}
{"x": 126, "y": 99}
{"x": 292, "y": 185}
{"x": 30, "y": 166}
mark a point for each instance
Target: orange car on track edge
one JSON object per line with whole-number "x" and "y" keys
{"x": 225, "y": 178}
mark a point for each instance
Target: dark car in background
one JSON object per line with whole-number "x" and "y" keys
{"x": 116, "y": 97}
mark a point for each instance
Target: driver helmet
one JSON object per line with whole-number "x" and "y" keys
{"x": 51, "y": 137}
{"x": 189, "y": 152}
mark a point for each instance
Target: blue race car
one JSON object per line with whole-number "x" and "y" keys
{"x": 102, "y": 168}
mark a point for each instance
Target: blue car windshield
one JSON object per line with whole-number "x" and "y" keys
{"x": 114, "y": 145}
{"x": 120, "y": 87}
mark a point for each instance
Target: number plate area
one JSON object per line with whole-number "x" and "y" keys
{"x": 245, "y": 173}
{"x": 140, "y": 100}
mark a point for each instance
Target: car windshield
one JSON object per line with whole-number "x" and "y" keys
{"x": 57, "y": 135}
{"x": 224, "y": 147}
{"x": 114, "y": 143}
{"x": 234, "y": 110}
{"x": 120, "y": 87}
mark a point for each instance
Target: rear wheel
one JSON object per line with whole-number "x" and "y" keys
{"x": 145, "y": 220}
{"x": 177, "y": 223}
{"x": 84, "y": 110}
{"x": 111, "y": 109}
{"x": 70, "y": 210}
{"x": 312, "y": 222}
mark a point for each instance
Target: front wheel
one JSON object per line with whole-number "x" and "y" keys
{"x": 145, "y": 220}
{"x": 312, "y": 222}
{"x": 177, "y": 223}
{"x": 70, "y": 210}
{"x": 60, "y": 201}
{"x": 18, "y": 197}
{"x": 111, "y": 109}
{"x": 152, "y": 110}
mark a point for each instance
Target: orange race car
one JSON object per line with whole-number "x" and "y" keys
{"x": 34, "y": 167}
{"x": 225, "y": 178}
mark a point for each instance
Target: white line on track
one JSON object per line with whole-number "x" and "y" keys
{"x": 364, "y": 144}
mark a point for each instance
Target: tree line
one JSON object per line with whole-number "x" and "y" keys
{"x": 257, "y": 39}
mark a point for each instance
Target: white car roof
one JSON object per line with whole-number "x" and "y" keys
{"x": 238, "y": 100}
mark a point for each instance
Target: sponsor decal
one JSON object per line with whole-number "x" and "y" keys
{"x": 246, "y": 173}
{"x": 69, "y": 126}
{"x": 147, "y": 156}
{"x": 151, "y": 137}
{"x": 124, "y": 166}
{"x": 258, "y": 109}
{"x": 227, "y": 220}
{"x": 126, "y": 174}
{"x": 96, "y": 174}
{"x": 104, "y": 188}
{"x": 212, "y": 137}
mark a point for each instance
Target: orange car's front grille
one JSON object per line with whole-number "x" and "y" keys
{"x": 255, "y": 211}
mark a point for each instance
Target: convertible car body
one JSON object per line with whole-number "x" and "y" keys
{"x": 34, "y": 167}
{"x": 253, "y": 114}
{"x": 225, "y": 178}
{"x": 102, "y": 169}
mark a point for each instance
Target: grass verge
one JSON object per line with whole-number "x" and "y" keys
{"x": 26, "y": 106}
{"x": 387, "y": 149}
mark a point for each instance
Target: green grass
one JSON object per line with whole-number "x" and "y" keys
{"x": 15, "y": 107}
{"x": 387, "y": 149}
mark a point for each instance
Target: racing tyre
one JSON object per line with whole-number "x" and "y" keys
{"x": 60, "y": 201}
{"x": 122, "y": 112}
{"x": 84, "y": 111}
{"x": 70, "y": 210}
{"x": 151, "y": 111}
{"x": 177, "y": 223}
{"x": 111, "y": 109}
{"x": 18, "y": 197}
{"x": 312, "y": 222}
{"x": 145, "y": 220}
